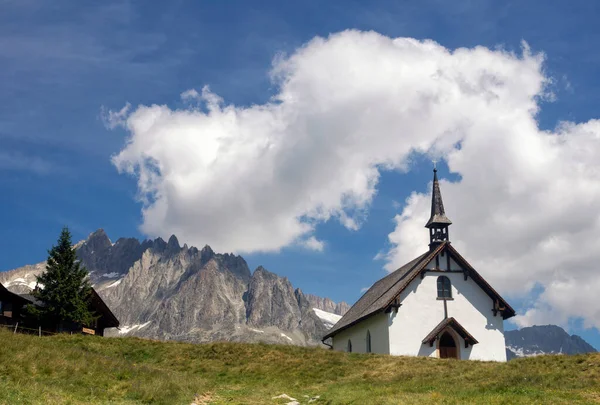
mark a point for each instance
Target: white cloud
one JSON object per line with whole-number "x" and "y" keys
{"x": 263, "y": 177}
{"x": 113, "y": 119}
{"x": 313, "y": 243}
{"x": 191, "y": 94}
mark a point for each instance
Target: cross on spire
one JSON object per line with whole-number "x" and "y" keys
{"x": 438, "y": 221}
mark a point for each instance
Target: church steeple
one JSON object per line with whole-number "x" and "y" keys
{"x": 438, "y": 222}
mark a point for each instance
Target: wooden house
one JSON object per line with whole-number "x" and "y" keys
{"x": 11, "y": 306}
{"x": 11, "y": 312}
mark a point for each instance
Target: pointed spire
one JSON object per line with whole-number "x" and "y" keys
{"x": 438, "y": 215}
{"x": 438, "y": 222}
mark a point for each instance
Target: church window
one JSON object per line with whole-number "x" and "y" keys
{"x": 444, "y": 287}
{"x": 349, "y": 346}
{"x": 368, "y": 342}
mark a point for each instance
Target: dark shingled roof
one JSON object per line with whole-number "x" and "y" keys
{"x": 11, "y": 294}
{"x": 379, "y": 296}
{"x": 110, "y": 320}
{"x": 383, "y": 292}
{"x": 452, "y": 323}
{"x": 32, "y": 299}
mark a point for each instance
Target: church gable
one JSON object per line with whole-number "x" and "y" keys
{"x": 499, "y": 304}
{"x": 424, "y": 307}
{"x": 444, "y": 262}
{"x": 449, "y": 260}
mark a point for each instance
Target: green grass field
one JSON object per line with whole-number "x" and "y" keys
{"x": 94, "y": 370}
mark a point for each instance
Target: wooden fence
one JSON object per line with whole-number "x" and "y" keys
{"x": 16, "y": 328}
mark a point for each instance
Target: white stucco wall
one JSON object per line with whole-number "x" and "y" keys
{"x": 377, "y": 325}
{"x": 421, "y": 312}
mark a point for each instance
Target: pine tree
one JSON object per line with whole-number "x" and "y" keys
{"x": 64, "y": 289}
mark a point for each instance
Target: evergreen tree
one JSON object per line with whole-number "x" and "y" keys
{"x": 64, "y": 289}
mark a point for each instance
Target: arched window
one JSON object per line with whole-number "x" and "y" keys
{"x": 349, "y": 346}
{"x": 444, "y": 287}
{"x": 368, "y": 342}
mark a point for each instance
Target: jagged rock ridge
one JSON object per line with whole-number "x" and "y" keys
{"x": 543, "y": 339}
{"x": 161, "y": 290}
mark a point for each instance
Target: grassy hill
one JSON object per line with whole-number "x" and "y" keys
{"x": 90, "y": 370}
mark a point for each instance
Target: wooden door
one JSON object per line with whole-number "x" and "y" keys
{"x": 447, "y": 347}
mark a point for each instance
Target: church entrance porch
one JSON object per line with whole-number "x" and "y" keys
{"x": 447, "y": 338}
{"x": 447, "y": 347}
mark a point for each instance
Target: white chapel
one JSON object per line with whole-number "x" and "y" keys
{"x": 437, "y": 305}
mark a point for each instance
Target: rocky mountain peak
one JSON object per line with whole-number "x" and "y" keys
{"x": 260, "y": 271}
{"x": 327, "y": 305}
{"x": 271, "y": 297}
{"x": 98, "y": 241}
{"x": 173, "y": 244}
{"x": 207, "y": 250}
{"x": 236, "y": 264}
{"x": 543, "y": 339}
{"x": 159, "y": 245}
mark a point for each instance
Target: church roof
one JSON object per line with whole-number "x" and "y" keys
{"x": 451, "y": 323}
{"x": 383, "y": 293}
{"x": 438, "y": 215}
{"x": 380, "y": 295}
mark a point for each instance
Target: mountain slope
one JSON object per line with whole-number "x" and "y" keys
{"x": 545, "y": 339}
{"x": 161, "y": 290}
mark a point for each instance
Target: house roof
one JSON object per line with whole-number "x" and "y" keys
{"x": 110, "y": 320}
{"x": 16, "y": 297}
{"x": 379, "y": 297}
{"x": 31, "y": 299}
{"x": 450, "y": 323}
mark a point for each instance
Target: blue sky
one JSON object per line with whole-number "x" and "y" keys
{"x": 64, "y": 64}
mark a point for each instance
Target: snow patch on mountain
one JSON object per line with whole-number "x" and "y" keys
{"x": 327, "y": 318}
{"x": 116, "y": 283}
{"x": 520, "y": 352}
{"x": 130, "y": 328}
{"x": 21, "y": 282}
